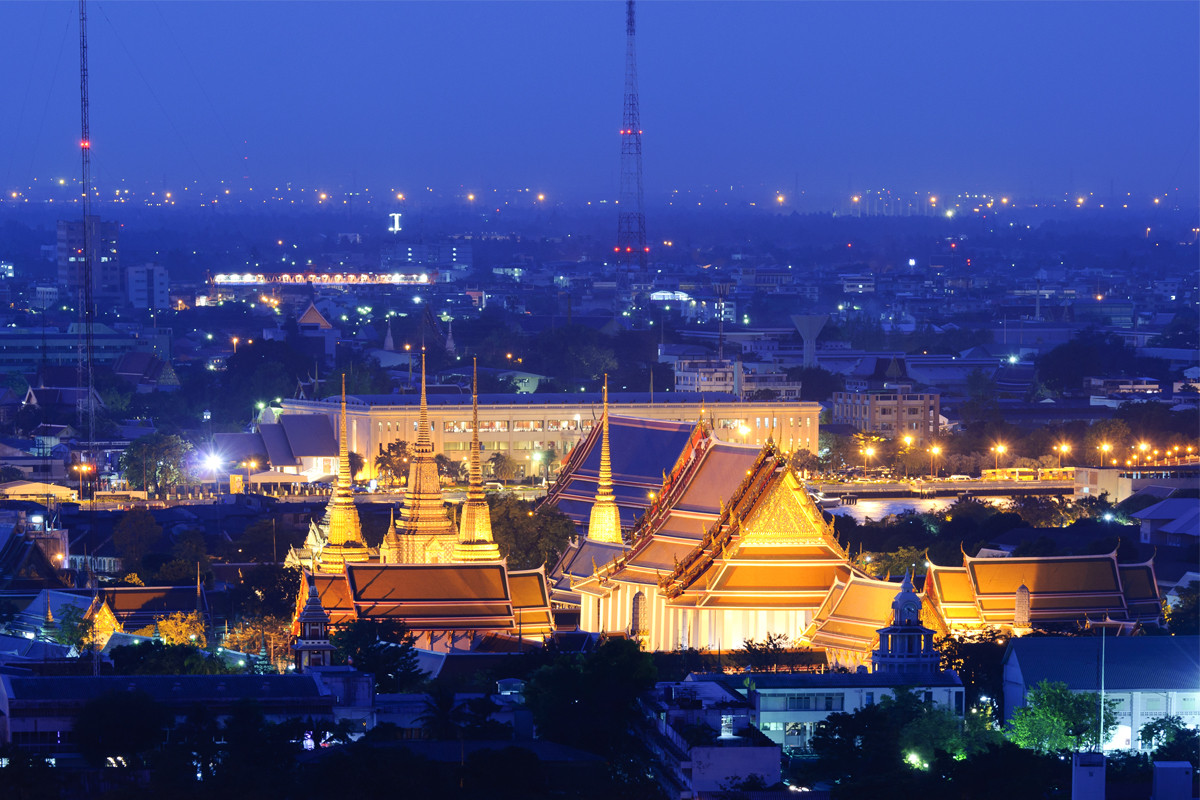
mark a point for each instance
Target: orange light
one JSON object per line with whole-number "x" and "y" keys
{"x": 86, "y": 145}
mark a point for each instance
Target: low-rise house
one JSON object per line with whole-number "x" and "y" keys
{"x": 703, "y": 740}
{"x": 1150, "y": 677}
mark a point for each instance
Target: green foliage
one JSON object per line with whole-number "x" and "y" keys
{"x": 896, "y": 563}
{"x": 1183, "y": 617}
{"x": 391, "y": 464}
{"x": 134, "y": 536}
{"x": 1064, "y": 368}
{"x": 102, "y": 742}
{"x": 156, "y": 460}
{"x": 356, "y": 464}
{"x": 159, "y": 658}
{"x": 266, "y": 590}
{"x": 1054, "y": 718}
{"x": 765, "y": 655}
{"x": 73, "y": 628}
{"x": 978, "y": 661}
{"x": 450, "y": 468}
{"x": 816, "y": 384}
{"x": 503, "y": 467}
{"x": 590, "y": 701}
{"x": 529, "y": 538}
{"x": 384, "y": 649}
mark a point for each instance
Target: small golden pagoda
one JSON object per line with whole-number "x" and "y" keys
{"x": 426, "y": 534}
{"x": 475, "y": 527}
{"x": 344, "y": 540}
{"x": 604, "y": 523}
{"x": 390, "y": 547}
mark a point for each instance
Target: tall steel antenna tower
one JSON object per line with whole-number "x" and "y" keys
{"x": 87, "y": 310}
{"x": 631, "y": 218}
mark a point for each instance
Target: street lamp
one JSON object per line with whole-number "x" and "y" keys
{"x": 1060, "y": 449}
{"x": 81, "y": 469}
{"x": 1142, "y": 448}
{"x": 1104, "y": 448}
{"x": 869, "y": 453}
{"x": 235, "y": 342}
{"x": 998, "y": 451}
{"x": 933, "y": 452}
{"x": 908, "y": 440}
{"x": 744, "y": 431}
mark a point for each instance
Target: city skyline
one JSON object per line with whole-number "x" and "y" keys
{"x": 816, "y": 98}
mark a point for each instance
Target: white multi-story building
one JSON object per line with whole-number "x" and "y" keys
{"x": 147, "y": 286}
{"x": 521, "y": 426}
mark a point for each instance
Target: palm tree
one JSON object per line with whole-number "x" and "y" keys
{"x": 392, "y": 462}
{"x": 439, "y": 715}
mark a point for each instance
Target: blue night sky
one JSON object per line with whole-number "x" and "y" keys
{"x": 1014, "y": 97}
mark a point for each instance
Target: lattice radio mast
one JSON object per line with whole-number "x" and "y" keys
{"x": 87, "y": 310}
{"x": 631, "y": 246}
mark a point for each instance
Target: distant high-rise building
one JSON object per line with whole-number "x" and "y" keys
{"x": 147, "y": 286}
{"x": 107, "y": 283}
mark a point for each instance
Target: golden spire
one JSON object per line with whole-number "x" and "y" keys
{"x": 344, "y": 477}
{"x": 345, "y": 541}
{"x": 424, "y": 445}
{"x": 426, "y": 534}
{"x": 604, "y": 523}
{"x": 475, "y": 528}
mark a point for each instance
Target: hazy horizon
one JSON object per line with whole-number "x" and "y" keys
{"x": 823, "y": 98}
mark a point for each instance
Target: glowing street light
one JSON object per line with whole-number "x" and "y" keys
{"x": 1060, "y": 449}
{"x": 1104, "y": 448}
{"x": 998, "y": 451}
{"x": 235, "y": 343}
{"x": 869, "y": 453}
{"x": 933, "y": 453}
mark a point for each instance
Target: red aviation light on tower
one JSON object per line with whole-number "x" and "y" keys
{"x": 85, "y": 144}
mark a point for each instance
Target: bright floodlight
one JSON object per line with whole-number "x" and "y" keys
{"x": 212, "y": 462}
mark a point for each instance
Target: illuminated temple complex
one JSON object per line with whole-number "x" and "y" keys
{"x": 730, "y": 547}
{"x": 451, "y": 588}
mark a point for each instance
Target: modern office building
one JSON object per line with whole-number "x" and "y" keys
{"x": 147, "y": 286}
{"x": 107, "y": 278}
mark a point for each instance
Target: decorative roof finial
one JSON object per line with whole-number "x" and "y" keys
{"x": 604, "y": 523}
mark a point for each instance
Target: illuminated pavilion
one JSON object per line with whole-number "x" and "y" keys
{"x": 732, "y": 548}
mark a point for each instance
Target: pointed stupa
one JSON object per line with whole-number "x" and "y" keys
{"x": 345, "y": 540}
{"x": 49, "y": 627}
{"x": 427, "y": 535}
{"x": 389, "y": 549}
{"x": 475, "y": 528}
{"x": 450, "y": 348}
{"x": 389, "y": 344}
{"x": 604, "y": 524}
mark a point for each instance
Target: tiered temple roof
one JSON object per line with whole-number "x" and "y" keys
{"x": 1095, "y": 588}
{"x": 642, "y": 450}
{"x": 686, "y": 505}
{"x": 438, "y": 599}
{"x": 770, "y": 549}
{"x": 846, "y": 624}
